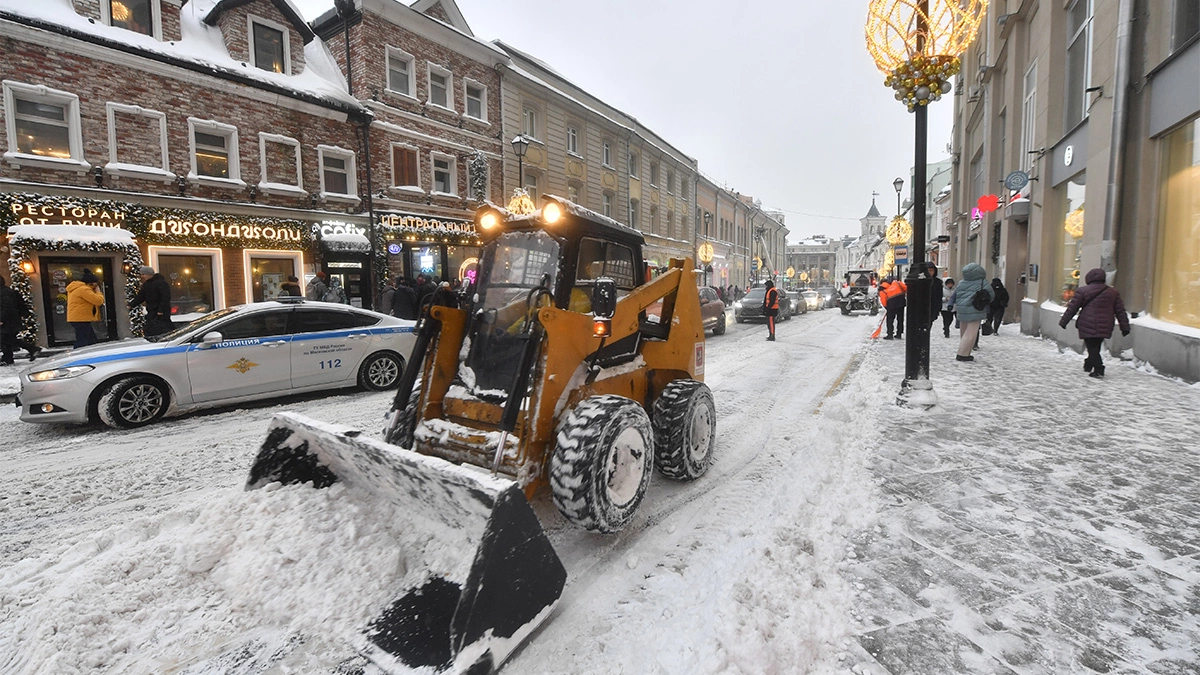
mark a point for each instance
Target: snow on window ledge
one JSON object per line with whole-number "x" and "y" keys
{"x": 451, "y": 195}
{"x": 402, "y": 95}
{"x": 412, "y": 189}
{"x": 282, "y": 189}
{"x": 20, "y": 159}
{"x": 123, "y": 170}
{"x": 339, "y": 197}
{"x": 213, "y": 181}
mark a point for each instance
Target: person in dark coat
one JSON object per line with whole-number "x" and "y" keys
{"x": 291, "y": 287}
{"x": 404, "y": 301}
{"x": 12, "y": 310}
{"x": 156, "y": 294}
{"x": 996, "y": 310}
{"x": 935, "y": 294}
{"x": 387, "y": 298}
{"x": 1098, "y": 305}
{"x": 317, "y": 288}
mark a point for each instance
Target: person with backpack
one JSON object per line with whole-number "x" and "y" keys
{"x": 12, "y": 310}
{"x": 317, "y": 288}
{"x": 972, "y": 296}
{"x": 996, "y": 309}
{"x": 387, "y": 298}
{"x": 335, "y": 292}
{"x": 1098, "y": 305}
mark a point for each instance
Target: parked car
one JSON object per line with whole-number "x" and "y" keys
{"x": 254, "y": 351}
{"x": 751, "y": 306}
{"x": 797, "y": 303}
{"x": 812, "y": 299}
{"x": 712, "y": 310}
{"x": 828, "y": 297}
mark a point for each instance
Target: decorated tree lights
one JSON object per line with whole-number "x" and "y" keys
{"x": 917, "y": 45}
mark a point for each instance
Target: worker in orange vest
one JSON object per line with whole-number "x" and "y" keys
{"x": 891, "y": 294}
{"x": 771, "y": 307}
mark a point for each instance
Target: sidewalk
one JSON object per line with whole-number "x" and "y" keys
{"x": 1036, "y": 521}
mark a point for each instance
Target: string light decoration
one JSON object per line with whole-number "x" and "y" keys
{"x": 1074, "y": 223}
{"x": 918, "y": 49}
{"x": 898, "y": 232}
{"x": 521, "y": 204}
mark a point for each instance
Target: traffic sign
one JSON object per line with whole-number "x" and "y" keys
{"x": 901, "y": 255}
{"x": 756, "y": 263}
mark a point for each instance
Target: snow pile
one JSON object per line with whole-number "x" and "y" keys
{"x": 84, "y": 234}
{"x": 286, "y": 564}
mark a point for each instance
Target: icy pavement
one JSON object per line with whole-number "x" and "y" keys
{"x": 1036, "y": 521}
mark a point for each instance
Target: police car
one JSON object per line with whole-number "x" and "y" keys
{"x": 254, "y": 351}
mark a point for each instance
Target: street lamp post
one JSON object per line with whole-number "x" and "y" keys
{"x": 520, "y": 144}
{"x": 917, "y": 46}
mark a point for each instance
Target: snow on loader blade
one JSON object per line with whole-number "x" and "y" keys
{"x": 492, "y": 575}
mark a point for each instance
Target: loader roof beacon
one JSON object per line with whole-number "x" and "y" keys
{"x": 566, "y": 368}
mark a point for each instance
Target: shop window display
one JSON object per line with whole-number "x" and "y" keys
{"x": 268, "y": 275}
{"x": 191, "y": 281}
{"x": 1177, "y": 281}
{"x": 1070, "y": 235}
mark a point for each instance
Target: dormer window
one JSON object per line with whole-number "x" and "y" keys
{"x": 269, "y": 45}
{"x": 139, "y": 16}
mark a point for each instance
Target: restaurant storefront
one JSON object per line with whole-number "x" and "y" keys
{"x": 210, "y": 259}
{"x": 443, "y": 249}
{"x": 346, "y": 258}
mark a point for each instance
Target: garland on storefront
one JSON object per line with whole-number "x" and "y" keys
{"x": 18, "y": 259}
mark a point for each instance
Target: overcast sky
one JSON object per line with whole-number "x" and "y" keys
{"x": 774, "y": 98}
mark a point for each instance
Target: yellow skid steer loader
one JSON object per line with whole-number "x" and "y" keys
{"x": 567, "y": 368}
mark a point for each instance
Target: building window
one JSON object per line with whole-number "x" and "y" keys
{"x": 137, "y": 140}
{"x": 1067, "y": 272}
{"x": 440, "y": 86}
{"x": 572, "y": 140}
{"x": 139, "y": 16}
{"x": 214, "y": 150}
{"x": 670, "y": 181}
{"x": 1186, "y": 23}
{"x": 265, "y": 272}
{"x": 400, "y": 72}
{"x": 194, "y": 276}
{"x": 606, "y": 154}
{"x": 531, "y": 186}
{"x": 633, "y": 213}
{"x": 405, "y": 171}
{"x": 573, "y": 192}
{"x": 1176, "y": 293}
{"x": 1028, "y": 119}
{"x": 476, "y": 101}
{"x": 654, "y": 173}
{"x": 269, "y": 48}
{"x": 670, "y": 224}
{"x": 606, "y": 204}
{"x": 444, "y": 174}
{"x": 43, "y": 125}
{"x": 1079, "y": 60}
{"x": 531, "y": 123}
{"x": 634, "y": 163}
{"x": 280, "y": 159}
{"x": 654, "y": 219}
{"x": 338, "y": 176}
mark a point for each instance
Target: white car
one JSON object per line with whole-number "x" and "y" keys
{"x": 254, "y": 351}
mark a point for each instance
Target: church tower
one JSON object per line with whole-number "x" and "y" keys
{"x": 873, "y": 223}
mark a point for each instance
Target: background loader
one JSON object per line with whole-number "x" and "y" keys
{"x": 567, "y": 368}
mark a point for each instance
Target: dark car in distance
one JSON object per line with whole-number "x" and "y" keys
{"x": 797, "y": 302}
{"x": 751, "y": 306}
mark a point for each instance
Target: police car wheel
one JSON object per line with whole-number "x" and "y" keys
{"x": 381, "y": 371}
{"x": 133, "y": 402}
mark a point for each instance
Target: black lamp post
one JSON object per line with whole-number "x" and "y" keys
{"x": 899, "y": 185}
{"x": 520, "y": 145}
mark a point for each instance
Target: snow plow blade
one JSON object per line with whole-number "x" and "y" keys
{"x": 468, "y": 616}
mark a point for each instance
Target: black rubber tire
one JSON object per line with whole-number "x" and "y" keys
{"x": 874, "y": 311}
{"x": 845, "y": 312}
{"x": 133, "y": 402}
{"x": 719, "y": 329}
{"x": 685, "y": 423}
{"x": 380, "y": 371}
{"x": 593, "y": 485}
{"x": 407, "y": 423}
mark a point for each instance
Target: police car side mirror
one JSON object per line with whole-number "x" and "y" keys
{"x": 604, "y": 298}
{"x": 211, "y": 339}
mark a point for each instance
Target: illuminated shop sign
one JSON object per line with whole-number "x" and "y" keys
{"x": 403, "y": 221}
{"x": 50, "y": 214}
{"x": 231, "y": 231}
{"x": 329, "y": 228}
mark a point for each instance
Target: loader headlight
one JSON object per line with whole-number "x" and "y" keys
{"x": 59, "y": 373}
{"x": 489, "y": 220}
{"x": 551, "y": 213}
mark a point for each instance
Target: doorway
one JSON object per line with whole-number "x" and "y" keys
{"x": 57, "y": 274}
{"x": 352, "y": 275}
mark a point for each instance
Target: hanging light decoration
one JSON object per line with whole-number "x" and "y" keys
{"x": 898, "y": 232}
{"x": 1074, "y": 223}
{"x": 918, "y": 50}
{"x": 521, "y": 204}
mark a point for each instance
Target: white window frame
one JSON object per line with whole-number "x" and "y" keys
{"x": 116, "y": 168}
{"x": 483, "y": 100}
{"x": 655, "y": 168}
{"x": 536, "y": 178}
{"x": 287, "y": 41}
{"x": 670, "y": 181}
{"x": 395, "y": 53}
{"x": 1029, "y": 118}
{"x": 351, "y": 194}
{"x": 155, "y": 7}
{"x": 434, "y": 156}
{"x": 417, "y": 189}
{"x": 216, "y": 128}
{"x": 430, "y": 69}
{"x": 606, "y": 201}
{"x": 529, "y": 113}
{"x": 572, "y": 145}
{"x": 634, "y": 207}
{"x": 574, "y": 186}
{"x": 218, "y": 266}
{"x": 606, "y": 154}
{"x": 1085, "y": 32}
{"x": 279, "y": 188}
{"x": 39, "y": 94}
{"x": 634, "y": 160}
{"x": 248, "y": 274}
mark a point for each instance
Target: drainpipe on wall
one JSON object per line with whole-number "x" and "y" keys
{"x": 1116, "y": 161}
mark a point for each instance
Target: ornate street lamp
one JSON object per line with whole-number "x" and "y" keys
{"x": 916, "y": 44}
{"x": 520, "y": 145}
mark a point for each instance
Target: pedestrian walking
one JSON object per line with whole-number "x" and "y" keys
{"x": 83, "y": 307}
{"x": 891, "y": 294}
{"x": 387, "y": 298}
{"x": 771, "y": 307}
{"x": 971, "y": 299}
{"x": 404, "y": 302}
{"x": 947, "y": 305}
{"x": 1098, "y": 305}
{"x": 935, "y": 293}
{"x": 155, "y": 293}
{"x": 13, "y": 310}
{"x": 335, "y": 292}
{"x": 996, "y": 310}
{"x": 291, "y": 287}
{"x": 317, "y": 288}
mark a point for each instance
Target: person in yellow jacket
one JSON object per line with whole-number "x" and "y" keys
{"x": 83, "y": 307}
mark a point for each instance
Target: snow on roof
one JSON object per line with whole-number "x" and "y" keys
{"x": 82, "y": 234}
{"x": 200, "y": 44}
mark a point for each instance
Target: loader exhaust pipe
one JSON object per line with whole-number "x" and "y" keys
{"x": 464, "y": 617}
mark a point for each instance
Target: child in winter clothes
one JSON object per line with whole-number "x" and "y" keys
{"x": 947, "y": 305}
{"x": 1098, "y": 304}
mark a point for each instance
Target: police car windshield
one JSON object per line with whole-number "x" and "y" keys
{"x": 193, "y": 325}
